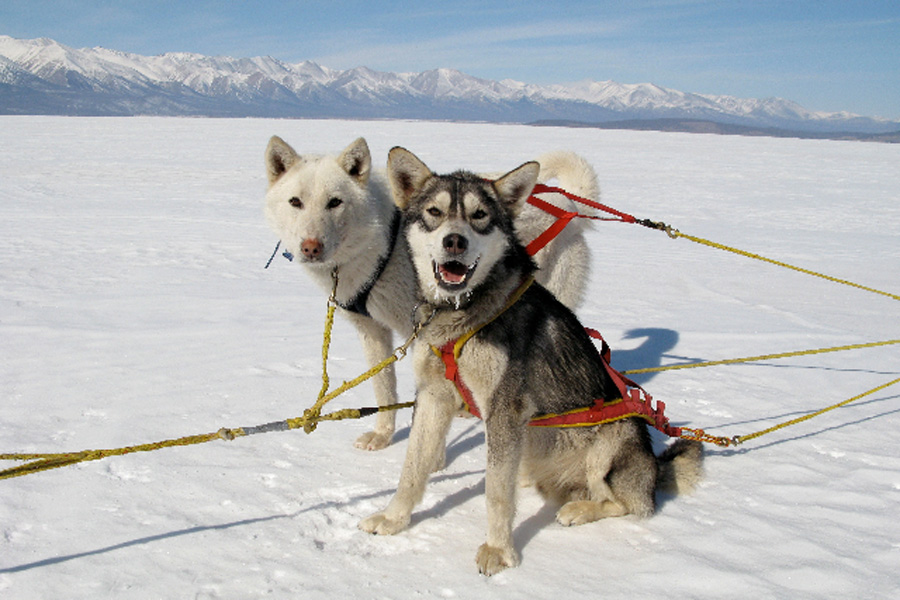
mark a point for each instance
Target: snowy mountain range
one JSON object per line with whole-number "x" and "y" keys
{"x": 42, "y": 76}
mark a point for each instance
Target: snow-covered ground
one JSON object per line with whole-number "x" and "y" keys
{"x": 134, "y": 307}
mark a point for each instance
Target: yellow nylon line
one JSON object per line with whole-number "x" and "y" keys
{"x": 731, "y": 361}
{"x": 313, "y": 415}
{"x": 702, "y": 436}
{"x": 743, "y": 438}
{"x": 326, "y": 344}
{"x": 45, "y": 462}
{"x": 698, "y": 240}
{"x": 457, "y": 347}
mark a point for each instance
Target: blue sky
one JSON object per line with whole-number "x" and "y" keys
{"x": 827, "y": 55}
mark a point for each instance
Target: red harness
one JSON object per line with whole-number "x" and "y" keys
{"x": 563, "y": 217}
{"x": 633, "y": 400}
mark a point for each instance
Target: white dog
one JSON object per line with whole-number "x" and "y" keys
{"x": 334, "y": 212}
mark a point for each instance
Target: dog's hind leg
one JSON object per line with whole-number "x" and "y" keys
{"x": 621, "y": 479}
{"x": 579, "y": 512}
{"x": 600, "y": 503}
{"x": 377, "y": 342}
{"x": 435, "y": 408}
{"x": 632, "y": 479}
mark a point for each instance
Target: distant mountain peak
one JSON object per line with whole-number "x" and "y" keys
{"x": 42, "y": 76}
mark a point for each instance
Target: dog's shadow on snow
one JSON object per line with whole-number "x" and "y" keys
{"x": 656, "y": 344}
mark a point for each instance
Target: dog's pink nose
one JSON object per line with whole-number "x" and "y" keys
{"x": 311, "y": 248}
{"x": 455, "y": 243}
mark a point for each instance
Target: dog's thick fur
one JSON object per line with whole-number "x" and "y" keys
{"x": 533, "y": 359}
{"x": 336, "y": 212}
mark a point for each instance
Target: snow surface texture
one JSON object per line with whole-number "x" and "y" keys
{"x": 134, "y": 307}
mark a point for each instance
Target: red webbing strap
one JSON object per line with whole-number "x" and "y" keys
{"x": 540, "y": 188}
{"x": 451, "y": 372}
{"x": 605, "y": 412}
{"x": 564, "y": 217}
{"x": 637, "y": 398}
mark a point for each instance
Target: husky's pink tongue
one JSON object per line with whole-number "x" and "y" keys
{"x": 453, "y": 272}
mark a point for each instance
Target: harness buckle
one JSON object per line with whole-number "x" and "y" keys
{"x": 332, "y": 299}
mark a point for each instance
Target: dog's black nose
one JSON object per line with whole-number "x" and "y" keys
{"x": 455, "y": 243}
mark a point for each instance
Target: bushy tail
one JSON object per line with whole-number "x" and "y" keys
{"x": 680, "y": 467}
{"x": 572, "y": 173}
{"x": 565, "y": 262}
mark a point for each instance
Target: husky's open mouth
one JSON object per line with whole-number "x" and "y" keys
{"x": 453, "y": 274}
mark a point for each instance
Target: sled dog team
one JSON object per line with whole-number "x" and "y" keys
{"x": 410, "y": 245}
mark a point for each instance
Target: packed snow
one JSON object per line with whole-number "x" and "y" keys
{"x": 134, "y": 307}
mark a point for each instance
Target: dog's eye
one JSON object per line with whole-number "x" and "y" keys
{"x": 478, "y": 215}
{"x": 296, "y": 202}
{"x": 434, "y": 212}
{"x": 334, "y": 203}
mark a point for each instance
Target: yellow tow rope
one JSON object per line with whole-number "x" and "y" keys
{"x": 308, "y": 422}
{"x": 675, "y": 234}
{"x": 45, "y": 462}
{"x": 701, "y": 435}
{"x": 761, "y": 357}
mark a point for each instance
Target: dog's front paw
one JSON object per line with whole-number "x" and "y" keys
{"x": 381, "y": 524}
{"x": 373, "y": 441}
{"x": 491, "y": 559}
{"x": 440, "y": 461}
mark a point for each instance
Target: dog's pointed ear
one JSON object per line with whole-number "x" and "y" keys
{"x": 407, "y": 175}
{"x": 357, "y": 161}
{"x": 515, "y": 187}
{"x": 279, "y": 158}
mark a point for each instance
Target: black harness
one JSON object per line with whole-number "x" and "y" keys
{"x": 357, "y": 303}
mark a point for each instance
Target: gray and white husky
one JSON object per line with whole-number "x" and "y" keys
{"x": 335, "y": 212}
{"x": 524, "y": 359}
